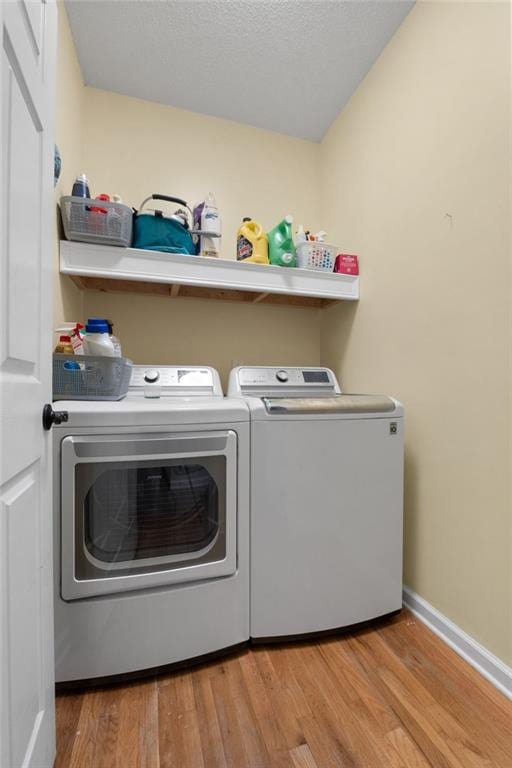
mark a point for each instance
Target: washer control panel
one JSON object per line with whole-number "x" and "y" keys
{"x": 174, "y": 380}
{"x": 262, "y": 380}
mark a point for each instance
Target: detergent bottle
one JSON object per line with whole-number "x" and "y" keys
{"x": 251, "y": 242}
{"x": 207, "y": 215}
{"x": 97, "y": 339}
{"x": 118, "y": 352}
{"x": 281, "y": 250}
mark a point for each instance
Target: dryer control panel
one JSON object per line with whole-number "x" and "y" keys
{"x": 178, "y": 380}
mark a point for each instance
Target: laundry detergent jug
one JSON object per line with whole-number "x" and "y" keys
{"x": 281, "y": 250}
{"x": 251, "y": 242}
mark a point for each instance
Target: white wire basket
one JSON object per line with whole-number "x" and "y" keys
{"x": 90, "y": 377}
{"x": 315, "y": 255}
{"x": 96, "y": 221}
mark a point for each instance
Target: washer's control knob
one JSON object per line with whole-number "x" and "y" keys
{"x": 151, "y": 376}
{"x": 282, "y": 376}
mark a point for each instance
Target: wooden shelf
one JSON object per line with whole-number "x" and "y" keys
{"x": 129, "y": 270}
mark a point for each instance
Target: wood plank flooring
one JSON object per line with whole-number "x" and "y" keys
{"x": 393, "y": 696}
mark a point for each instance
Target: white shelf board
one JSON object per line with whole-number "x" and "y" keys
{"x": 111, "y": 263}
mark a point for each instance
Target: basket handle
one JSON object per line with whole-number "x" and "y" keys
{"x": 167, "y": 199}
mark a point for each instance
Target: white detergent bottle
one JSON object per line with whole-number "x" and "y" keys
{"x": 97, "y": 339}
{"x": 118, "y": 352}
{"x": 210, "y": 223}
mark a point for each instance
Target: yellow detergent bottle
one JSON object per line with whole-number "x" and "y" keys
{"x": 251, "y": 242}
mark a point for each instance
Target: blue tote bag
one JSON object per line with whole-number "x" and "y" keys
{"x": 153, "y": 231}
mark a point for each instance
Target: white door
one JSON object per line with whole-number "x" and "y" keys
{"x": 26, "y": 241}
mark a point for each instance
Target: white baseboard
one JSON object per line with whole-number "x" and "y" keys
{"x": 492, "y": 668}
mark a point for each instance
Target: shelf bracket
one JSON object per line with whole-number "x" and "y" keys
{"x": 260, "y": 297}
{"x": 175, "y": 289}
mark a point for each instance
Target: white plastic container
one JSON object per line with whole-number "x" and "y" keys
{"x": 97, "y": 339}
{"x": 118, "y": 352}
{"x": 210, "y": 222}
{"x": 316, "y": 255}
{"x": 99, "y": 344}
{"x": 300, "y": 236}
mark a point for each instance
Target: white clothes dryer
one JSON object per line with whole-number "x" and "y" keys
{"x": 151, "y": 525}
{"x": 326, "y": 501}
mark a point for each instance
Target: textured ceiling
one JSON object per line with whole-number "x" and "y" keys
{"x": 286, "y": 65}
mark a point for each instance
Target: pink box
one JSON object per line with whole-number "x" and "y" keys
{"x": 346, "y": 264}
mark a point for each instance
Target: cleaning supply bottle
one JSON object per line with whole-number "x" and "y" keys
{"x": 74, "y": 332}
{"x": 78, "y": 210}
{"x": 97, "y": 339}
{"x": 251, "y": 242}
{"x": 81, "y": 186}
{"x": 300, "y": 235}
{"x": 64, "y": 347}
{"x": 281, "y": 250}
{"x": 77, "y": 338}
{"x": 114, "y": 218}
{"x": 118, "y": 352}
{"x": 210, "y": 223}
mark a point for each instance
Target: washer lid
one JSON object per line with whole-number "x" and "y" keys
{"x": 334, "y": 404}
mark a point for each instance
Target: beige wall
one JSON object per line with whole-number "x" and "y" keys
{"x": 217, "y": 333}
{"x": 134, "y": 148}
{"x": 68, "y": 304}
{"x": 416, "y": 181}
{"x": 137, "y": 147}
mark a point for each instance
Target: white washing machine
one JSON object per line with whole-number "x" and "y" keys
{"x": 326, "y": 501}
{"x": 151, "y": 525}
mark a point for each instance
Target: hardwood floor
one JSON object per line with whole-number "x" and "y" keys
{"x": 393, "y": 696}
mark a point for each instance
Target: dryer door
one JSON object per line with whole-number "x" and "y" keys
{"x": 145, "y": 511}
